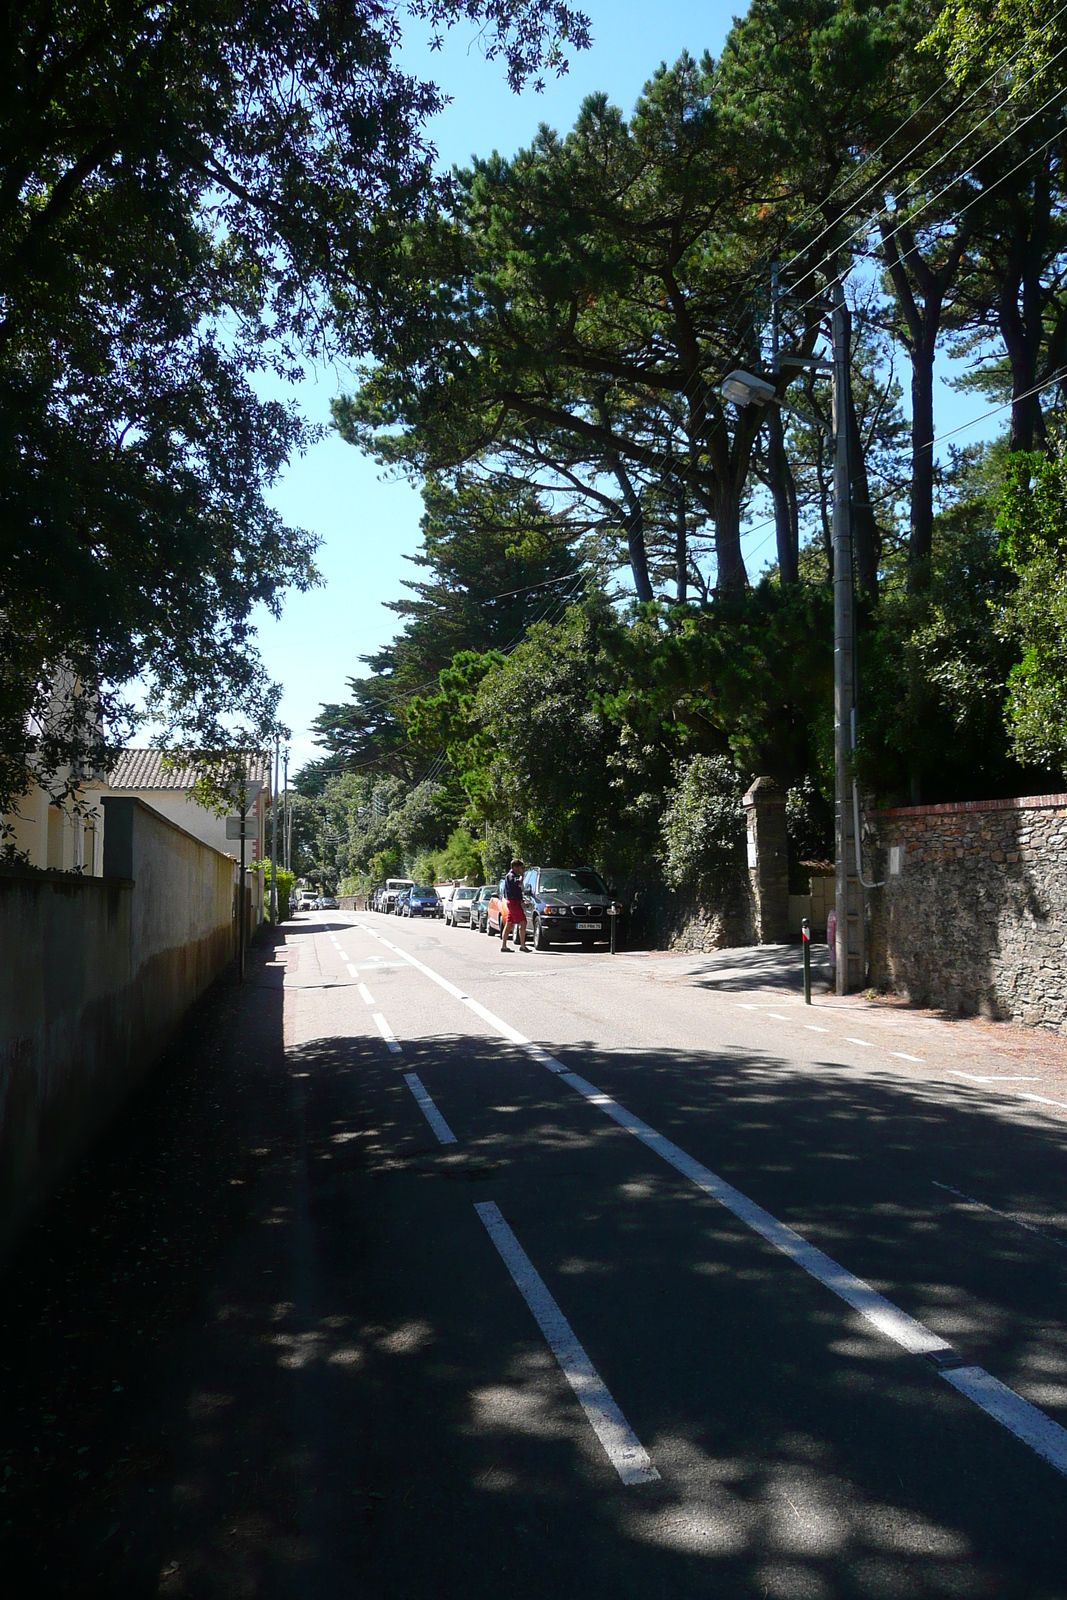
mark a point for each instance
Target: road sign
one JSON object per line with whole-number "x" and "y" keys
{"x": 242, "y": 828}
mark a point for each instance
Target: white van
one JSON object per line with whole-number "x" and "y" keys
{"x": 393, "y": 887}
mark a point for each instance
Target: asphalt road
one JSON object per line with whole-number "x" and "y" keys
{"x": 546, "y": 1275}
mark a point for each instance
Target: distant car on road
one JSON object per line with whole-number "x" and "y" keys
{"x": 422, "y": 902}
{"x": 479, "y": 919}
{"x": 458, "y": 909}
{"x": 328, "y": 903}
{"x": 393, "y": 887}
{"x": 564, "y": 904}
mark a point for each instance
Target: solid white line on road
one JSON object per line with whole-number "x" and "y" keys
{"x": 1024, "y": 1420}
{"x": 980, "y": 1205}
{"x": 811, "y": 1027}
{"x": 1041, "y": 1098}
{"x": 365, "y": 993}
{"x": 902, "y": 1055}
{"x": 429, "y": 1110}
{"x": 866, "y": 1043}
{"x": 621, "y": 1445}
{"x": 387, "y": 1033}
{"x": 512, "y": 1035}
{"x": 741, "y": 1006}
{"x": 993, "y": 1077}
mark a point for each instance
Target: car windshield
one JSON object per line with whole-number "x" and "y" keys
{"x": 425, "y": 892}
{"x": 487, "y": 893}
{"x": 581, "y": 882}
{"x": 466, "y": 894}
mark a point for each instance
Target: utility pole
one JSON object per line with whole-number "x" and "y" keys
{"x": 745, "y": 388}
{"x": 274, "y": 837}
{"x": 851, "y": 957}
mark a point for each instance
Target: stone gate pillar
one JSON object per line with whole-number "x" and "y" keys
{"x": 768, "y": 861}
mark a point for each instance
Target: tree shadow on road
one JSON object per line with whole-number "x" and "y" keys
{"x": 267, "y": 1312}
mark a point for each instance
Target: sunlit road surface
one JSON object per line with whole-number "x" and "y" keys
{"x": 544, "y": 1275}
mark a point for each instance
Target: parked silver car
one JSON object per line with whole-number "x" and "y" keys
{"x": 458, "y": 909}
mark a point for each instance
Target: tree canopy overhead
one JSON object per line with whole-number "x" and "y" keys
{"x": 182, "y": 189}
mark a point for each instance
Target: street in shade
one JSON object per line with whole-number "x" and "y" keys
{"x": 421, "y": 1271}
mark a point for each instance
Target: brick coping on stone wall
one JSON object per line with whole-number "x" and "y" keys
{"x": 1033, "y": 802}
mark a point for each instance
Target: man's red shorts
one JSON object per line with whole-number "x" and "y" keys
{"x": 514, "y": 915}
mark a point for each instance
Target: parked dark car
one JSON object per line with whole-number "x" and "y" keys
{"x": 422, "y": 902}
{"x": 401, "y": 906}
{"x": 480, "y": 908}
{"x": 328, "y": 903}
{"x": 568, "y": 904}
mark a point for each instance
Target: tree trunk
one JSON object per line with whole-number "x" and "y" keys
{"x": 784, "y": 495}
{"x": 921, "y": 535}
{"x": 681, "y": 552}
{"x": 635, "y": 544}
{"x": 634, "y": 528}
{"x": 1022, "y": 306}
{"x": 921, "y": 309}
{"x": 731, "y": 575}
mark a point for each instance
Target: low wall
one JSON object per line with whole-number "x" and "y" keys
{"x": 973, "y": 915}
{"x": 95, "y": 975}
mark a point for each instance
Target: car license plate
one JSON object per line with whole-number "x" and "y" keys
{"x": 589, "y": 927}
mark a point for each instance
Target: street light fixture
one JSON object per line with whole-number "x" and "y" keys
{"x": 745, "y": 389}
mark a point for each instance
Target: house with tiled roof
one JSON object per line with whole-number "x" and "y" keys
{"x": 168, "y": 788}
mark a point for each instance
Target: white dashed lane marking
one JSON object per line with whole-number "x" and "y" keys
{"x": 387, "y": 1033}
{"x": 1025, "y": 1421}
{"x": 621, "y": 1445}
{"x": 429, "y": 1110}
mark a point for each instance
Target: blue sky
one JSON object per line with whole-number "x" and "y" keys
{"x": 367, "y": 525}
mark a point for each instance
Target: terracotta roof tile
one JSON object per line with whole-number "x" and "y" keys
{"x": 144, "y": 769}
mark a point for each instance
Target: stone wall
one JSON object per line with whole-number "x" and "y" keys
{"x": 973, "y": 915}
{"x": 95, "y": 975}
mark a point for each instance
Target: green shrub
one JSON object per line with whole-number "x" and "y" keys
{"x": 703, "y": 826}
{"x": 286, "y": 885}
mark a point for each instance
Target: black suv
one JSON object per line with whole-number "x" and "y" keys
{"x": 567, "y": 903}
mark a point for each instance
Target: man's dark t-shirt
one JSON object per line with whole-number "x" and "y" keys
{"x": 513, "y": 887}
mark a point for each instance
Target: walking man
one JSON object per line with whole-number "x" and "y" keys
{"x": 514, "y": 912}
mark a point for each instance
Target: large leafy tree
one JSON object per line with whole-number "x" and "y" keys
{"x": 1032, "y": 618}
{"x": 496, "y": 561}
{"x": 180, "y": 187}
{"x": 574, "y": 311}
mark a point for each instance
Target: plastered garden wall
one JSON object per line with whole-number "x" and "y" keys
{"x": 95, "y": 975}
{"x": 973, "y": 915}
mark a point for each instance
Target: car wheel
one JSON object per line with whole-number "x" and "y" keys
{"x": 540, "y": 935}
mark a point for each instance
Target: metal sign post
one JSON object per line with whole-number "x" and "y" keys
{"x": 241, "y": 914}
{"x": 242, "y": 827}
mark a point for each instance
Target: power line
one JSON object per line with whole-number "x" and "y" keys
{"x": 943, "y": 156}
{"x": 884, "y": 211}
